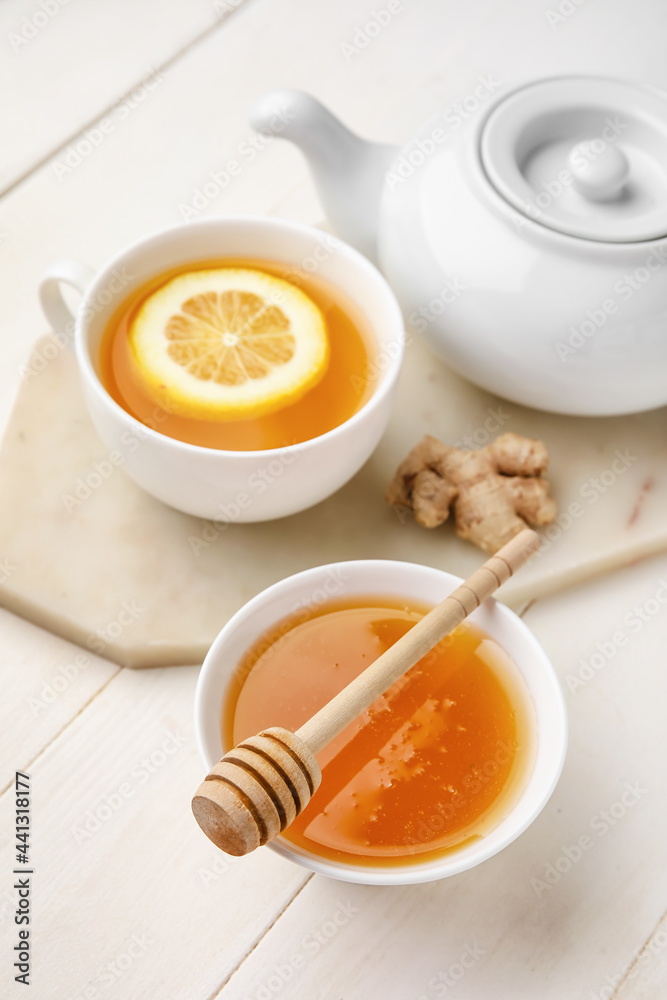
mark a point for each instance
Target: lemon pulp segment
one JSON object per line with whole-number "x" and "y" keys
{"x": 229, "y": 343}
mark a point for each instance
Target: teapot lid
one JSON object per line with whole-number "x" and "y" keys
{"x": 582, "y": 155}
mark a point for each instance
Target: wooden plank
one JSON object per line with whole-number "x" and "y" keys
{"x": 44, "y": 683}
{"x": 646, "y": 977}
{"x": 126, "y": 886}
{"x": 66, "y": 61}
{"x": 552, "y": 915}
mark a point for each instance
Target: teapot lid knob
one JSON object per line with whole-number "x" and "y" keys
{"x": 599, "y": 171}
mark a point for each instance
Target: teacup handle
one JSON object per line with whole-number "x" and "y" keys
{"x": 54, "y": 306}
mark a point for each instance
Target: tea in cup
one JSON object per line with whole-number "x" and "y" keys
{"x": 314, "y": 335}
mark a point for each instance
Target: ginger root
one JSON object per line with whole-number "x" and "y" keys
{"x": 495, "y": 492}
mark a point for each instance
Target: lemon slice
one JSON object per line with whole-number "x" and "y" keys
{"x": 230, "y": 343}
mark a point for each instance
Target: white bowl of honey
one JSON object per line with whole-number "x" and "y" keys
{"x": 450, "y": 766}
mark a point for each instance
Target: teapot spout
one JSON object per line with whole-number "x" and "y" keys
{"x": 348, "y": 171}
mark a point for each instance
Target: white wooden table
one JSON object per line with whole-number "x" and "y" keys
{"x": 137, "y": 904}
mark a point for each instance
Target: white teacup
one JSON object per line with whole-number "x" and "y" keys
{"x": 213, "y": 483}
{"x": 217, "y": 685}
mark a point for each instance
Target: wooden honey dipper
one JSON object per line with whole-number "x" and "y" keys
{"x": 260, "y": 786}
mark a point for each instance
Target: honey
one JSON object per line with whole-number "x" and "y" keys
{"x": 342, "y": 391}
{"x": 438, "y": 760}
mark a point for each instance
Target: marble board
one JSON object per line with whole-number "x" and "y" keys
{"x": 88, "y": 555}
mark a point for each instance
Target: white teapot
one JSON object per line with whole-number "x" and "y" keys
{"x": 526, "y": 240}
